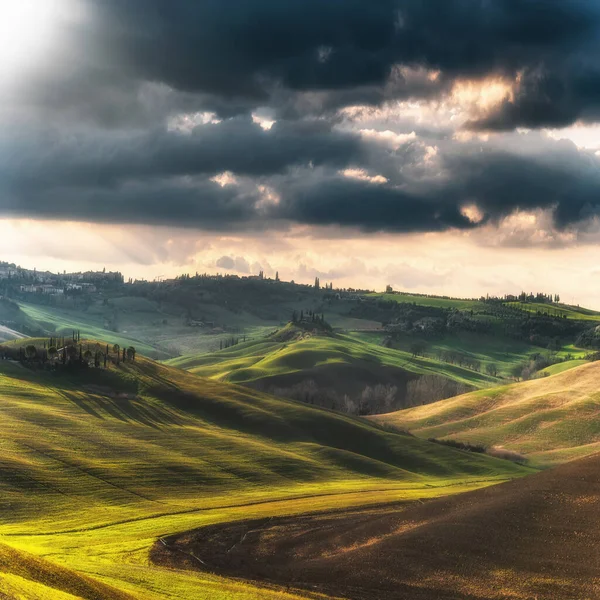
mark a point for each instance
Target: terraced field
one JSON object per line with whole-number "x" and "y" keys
{"x": 96, "y": 466}
{"x": 550, "y": 420}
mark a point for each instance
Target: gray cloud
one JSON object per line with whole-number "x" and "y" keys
{"x": 135, "y": 61}
{"x": 90, "y": 157}
{"x": 226, "y": 262}
{"x": 239, "y": 264}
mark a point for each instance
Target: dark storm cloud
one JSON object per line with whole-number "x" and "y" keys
{"x": 198, "y": 203}
{"x": 89, "y": 137}
{"x": 41, "y": 158}
{"x": 232, "y": 47}
{"x": 136, "y": 59}
{"x": 367, "y": 206}
{"x": 546, "y": 98}
{"x": 498, "y": 181}
{"x": 528, "y": 173}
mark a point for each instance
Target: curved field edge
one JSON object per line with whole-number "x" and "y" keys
{"x": 95, "y": 467}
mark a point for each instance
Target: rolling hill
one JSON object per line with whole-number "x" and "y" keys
{"x": 550, "y": 420}
{"x": 524, "y": 539}
{"x": 339, "y": 364}
{"x": 96, "y": 464}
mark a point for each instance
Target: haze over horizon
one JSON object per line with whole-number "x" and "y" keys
{"x": 442, "y": 148}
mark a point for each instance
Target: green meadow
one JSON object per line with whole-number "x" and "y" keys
{"x": 55, "y": 321}
{"x": 361, "y": 355}
{"x": 97, "y": 465}
{"x": 422, "y": 300}
{"x": 503, "y": 352}
{"x": 558, "y": 310}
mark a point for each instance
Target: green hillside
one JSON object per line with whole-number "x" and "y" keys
{"x": 550, "y": 420}
{"x": 557, "y": 310}
{"x": 338, "y": 364}
{"x": 505, "y": 353}
{"x": 424, "y": 300}
{"x": 53, "y": 321}
{"x": 96, "y": 465}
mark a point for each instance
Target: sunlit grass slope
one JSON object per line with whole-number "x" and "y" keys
{"x": 337, "y": 359}
{"x": 23, "y": 575}
{"x": 95, "y": 466}
{"x": 422, "y": 300}
{"x": 558, "y": 310}
{"x": 551, "y": 419}
{"x": 55, "y": 321}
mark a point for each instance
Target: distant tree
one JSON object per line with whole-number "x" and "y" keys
{"x": 491, "y": 369}
{"x": 71, "y": 352}
{"x": 317, "y": 283}
{"x": 30, "y": 352}
{"x": 276, "y": 275}
{"x": 131, "y": 353}
{"x": 124, "y": 355}
{"x": 87, "y": 356}
{"x": 517, "y": 372}
{"x": 418, "y": 348}
{"x": 52, "y": 352}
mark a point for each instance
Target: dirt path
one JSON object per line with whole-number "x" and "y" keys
{"x": 533, "y": 538}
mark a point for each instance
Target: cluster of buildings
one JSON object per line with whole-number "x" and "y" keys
{"x": 30, "y": 281}
{"x": 53, "y": 290}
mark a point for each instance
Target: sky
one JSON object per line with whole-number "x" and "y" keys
{"x": 439, "y": 146}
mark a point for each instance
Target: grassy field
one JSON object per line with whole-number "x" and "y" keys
{"x": 360, "y": 356}
{"x": 435, "y": 301}
{"x": 58, "y": 322}
{"x": 96, "y": 465}
{"x": 505, "y": 353}
{"x": 557, "y": 310}
{"x": 561, "y": 367}
{"x": 550, "y": 420}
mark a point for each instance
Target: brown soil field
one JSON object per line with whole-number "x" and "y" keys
{"x": 535, "y": 538}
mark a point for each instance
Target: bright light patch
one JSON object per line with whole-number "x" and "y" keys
{"x": 28, "y": 29}
{"x": 224, "y": 179}
{"x": 583, "y": 135}
{"x": 266, "y": 124}
{"x": 187, "y": 122}
{"x": 481, "y": 96}
{"x": 472, "y": 212}
{"x": 269, "y": 197}
{"x": 395, "y": 140}
{"x": 362, "y": 175}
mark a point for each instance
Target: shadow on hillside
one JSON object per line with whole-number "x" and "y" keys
{"x": 126, "y": 409}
